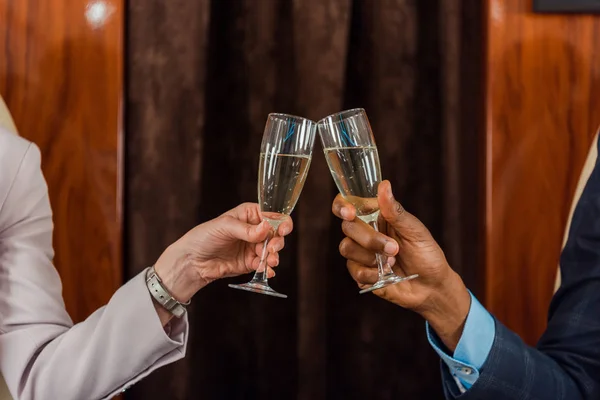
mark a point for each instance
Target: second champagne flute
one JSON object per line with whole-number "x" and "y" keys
{"x": 285, "y": 155}
{"x": 353, "y": 160}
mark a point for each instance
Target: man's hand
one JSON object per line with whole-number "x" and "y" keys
{"x": 226, "y": 246}
{"x": 438, "y": 294}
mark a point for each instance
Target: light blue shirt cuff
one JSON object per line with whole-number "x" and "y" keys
{"x": 473, "y": 347}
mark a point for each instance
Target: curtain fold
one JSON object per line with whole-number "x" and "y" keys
{"x": 202, "y": 77}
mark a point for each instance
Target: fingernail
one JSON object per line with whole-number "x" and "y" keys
{"x": 391, "y": 261}
{"x": 276, "y": 248}
{"x": 390, "y": 247}
{"x": 345, "y": 212}
{"x": 285, "y": 230}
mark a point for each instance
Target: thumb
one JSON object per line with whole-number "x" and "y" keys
{"x": 392, "y": 210}
{"x": 246, "y": 232}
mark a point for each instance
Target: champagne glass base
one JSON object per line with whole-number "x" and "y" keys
{"x": 388, "y": 280}
{"x": 257, "y": 287}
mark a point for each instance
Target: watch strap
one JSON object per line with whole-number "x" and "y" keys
{"x": 163, "y": 296}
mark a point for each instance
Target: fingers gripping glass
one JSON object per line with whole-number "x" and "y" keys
{"x": 285, "y": 156}
{"x": 353, "y": 160}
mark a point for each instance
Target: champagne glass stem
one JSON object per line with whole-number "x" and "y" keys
{"x": 260, "y": 276}
{"x": 259, "y": 283}
{"x": 383, "y": 267}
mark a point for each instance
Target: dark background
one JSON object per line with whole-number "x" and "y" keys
{"x": 201, "y": 78}
{"x": 578, "y": 6}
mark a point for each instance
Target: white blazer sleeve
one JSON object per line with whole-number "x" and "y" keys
{"x": 42, "y": 354}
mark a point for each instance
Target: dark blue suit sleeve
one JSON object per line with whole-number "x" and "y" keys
{"x": 565, "y": 365}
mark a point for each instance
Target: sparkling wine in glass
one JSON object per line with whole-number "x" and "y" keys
{"x": 353, "y": 160}
{"x": 285, "y": 155}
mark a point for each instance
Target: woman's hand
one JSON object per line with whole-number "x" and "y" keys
{"x": 226, "y": 246}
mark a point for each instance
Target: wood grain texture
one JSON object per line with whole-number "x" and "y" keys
{"x": 543, "y": 110}
{"x": 61, "y": 76}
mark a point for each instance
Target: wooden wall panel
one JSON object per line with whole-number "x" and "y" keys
{"x": 542, "y": 110}
{"x": 61, "y": 76}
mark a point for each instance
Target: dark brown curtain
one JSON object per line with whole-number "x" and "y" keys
{"x": 202, "y": 77}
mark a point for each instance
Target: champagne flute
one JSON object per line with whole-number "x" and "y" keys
{"x": 285, "y": 155}
{"x": 353, "y": 160}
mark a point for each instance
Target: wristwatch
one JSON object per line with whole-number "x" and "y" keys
{"x": 163, "y": 296}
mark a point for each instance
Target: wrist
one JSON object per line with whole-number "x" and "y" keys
{"x": 178, "y": 274}
{"x": 447, "y": 310}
